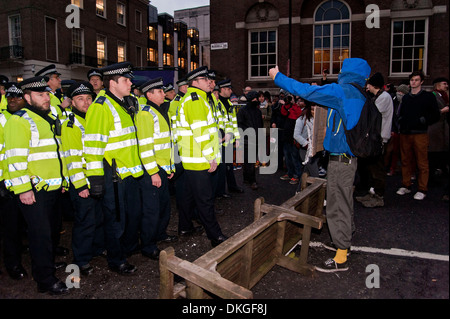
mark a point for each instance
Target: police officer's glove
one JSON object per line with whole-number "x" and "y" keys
{"x": 97, "y": 186}
{"x": 4, "y": 192}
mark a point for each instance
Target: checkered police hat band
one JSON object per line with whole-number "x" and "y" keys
{"x": 117, "y": 71}
{"x": 14, "y": 89}
{"x": 197, "y": 74}
{"x": 35, "y": 85}
{"x": 158, "y": 84}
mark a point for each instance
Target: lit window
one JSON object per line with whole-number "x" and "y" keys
{"x": 77, "y": 46}
{"x": 152, "y": 55}
{"x": 101, "y": 50}
{"x": 152, "y": 33}
{"x": 331, "y": 37}
{"x": 409, "y": 39}
{"x": 121, "y": 13}
{"x": 100, "y": 8}
{"x": 168, "y": 59}
{"x": 78, "y": 3}
{"x": 121, "y": 51}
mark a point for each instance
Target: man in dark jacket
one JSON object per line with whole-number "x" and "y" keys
{"x": 250, "y": 117}
{"x": 418, "y": 110}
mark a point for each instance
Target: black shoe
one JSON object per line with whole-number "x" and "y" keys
{"x": 58, "y": 288}
{"x": 236, "y": 190}
{"x": 86, "y": 270}
{"x": 192, "y": 232}
{"x": 153, "y": 255}
{"x": 60, "y": 264}
{"x": 218, "y": 240}
{"x": 61, "y": 251}
{"x": 124, "y": 269}
{"x": 17, "y": 272}
{"x": 330, "y": 265}
{"x": 226, "y": 195}
{"x": 169, "y": 239}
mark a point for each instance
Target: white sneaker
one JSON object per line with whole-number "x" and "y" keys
{"x": 419, "y": 196}
{"x": 403, "y": 191}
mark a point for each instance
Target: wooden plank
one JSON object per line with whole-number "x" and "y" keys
{"x": 235, "y": 242}
{"x": 206, "y": 279}
{"x": 247, "y": 261}
{"x": 305, "y": 244}
{"x": 295, "y": 265}
{"x": 165, "y": 276}
{"x": 303, "y": 195}
{"x": 262, "y": 270}
{"x": 292, "y": 215}
{"x": 257, "y": 208}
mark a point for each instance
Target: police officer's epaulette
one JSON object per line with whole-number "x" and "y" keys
{"x": 20, "y": 113}
{"x": 146, "y": 108}
{"x": 177, "y": 98}
{"x": 100, "y": 99}
{"x": 71, "y": 120}
{"x": 194, "y": 96}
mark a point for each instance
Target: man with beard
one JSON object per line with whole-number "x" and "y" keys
{"x": 37, "y": 178}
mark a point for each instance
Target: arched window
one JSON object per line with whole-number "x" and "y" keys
{"x": 331, "y": 36}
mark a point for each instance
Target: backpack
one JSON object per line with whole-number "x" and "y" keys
{"x": 365, "y": 138}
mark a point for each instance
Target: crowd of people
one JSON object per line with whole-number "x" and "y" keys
{"x": 117, "y": 148}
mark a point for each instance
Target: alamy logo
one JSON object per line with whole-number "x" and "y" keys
{"x": 373, "y": 17}
{"x": 73, "y": 19}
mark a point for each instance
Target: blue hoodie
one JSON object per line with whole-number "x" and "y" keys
{"x": 343, "y": 100}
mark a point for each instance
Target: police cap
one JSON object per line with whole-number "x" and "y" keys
{"x": 182, "y": 82}
{"x": 157, "y": 83}
{"x": 124, "y": 69}
{"x": 47, "y": 71}
{"x": 93, "y": 72}
{"x": 35, "y": 84}
{"x": 212, "y": 74}
{"x": 168, "y": 87}
{"x": 224, "y": 84}
{"x": 197, "y": 73}
{"x": 3, "y": 79}
{"x": 79, "y": 88}
{"x": 13, "y": 89}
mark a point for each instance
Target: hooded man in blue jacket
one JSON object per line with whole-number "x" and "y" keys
{"x": 344, "y": 102}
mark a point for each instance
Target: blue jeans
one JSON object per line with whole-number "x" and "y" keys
{"x": 292, "y": 158}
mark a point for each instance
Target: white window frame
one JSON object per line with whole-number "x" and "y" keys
{"x": 425, "y": 46}
{"x": 105, "y": 57}
{"x": 56, "y": 38}
{"x": 124, "y": 23}
{"x": 104, "y": 9}
{"x": 267, "y": 77}
{"x": 10, "y": 30}
{"x": 331, "y": 23}
{"x": 138, "y": 21}
{"x": 119, "y": 43}
{"x": 82, "y": 41}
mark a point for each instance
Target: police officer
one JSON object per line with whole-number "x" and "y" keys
{"x": 198, "y": 143}
{"x": 37, "y": 177}
{"x": 87, "y": 232}
{"x": 95, "y": 77}
{"x": 3, "y": 81}
{"x": 157, "y": 155}
{"x": 232, "y": 131}
{"x": 60, "y": 107}
{"x": 170, "y": 94}
{"x": 113, "y": 164}
{"x": 11, "y": 219}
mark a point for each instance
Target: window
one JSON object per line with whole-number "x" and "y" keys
{"x": 77, "y": 46}
{"x": 182, "y": 63}
{"x": 168, "y": 59}
{"x": 78, "y": 3}
{"x": 139, "y": 56}
{"x": 194, "y": 49}
{"x": 121, "y": 51}
{"x": 51, "y": 39}
{"x": 100, "y": 8}
{"x": 121, "y": 14}
{"x": 331, "y": 37}
{"x": 152, "y": 55}
{"x": 194, "y": 65}
{"x": 409, "y": 46}
{"x": 167, "y": 38}
{"x": 101, "y": 51}
{"x": 263, "y": 52}
{"x": 152, "y": 33}
{"x": 138, "y": 18}
{"x": 15, "y": 30}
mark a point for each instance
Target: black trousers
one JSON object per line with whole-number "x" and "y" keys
{"x": 371, "y": 173}
{"x": 248, "y": 168}
{"x": 12, "y": 228}
{"x": 88, "y": 237}
{"x": 43, "y": 224}
{"x": 199, "y": 194}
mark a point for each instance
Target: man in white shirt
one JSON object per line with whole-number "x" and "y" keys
{"x": 371, "y": 170}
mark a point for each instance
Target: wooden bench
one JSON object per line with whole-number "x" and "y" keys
{"x": 231, "y": 269}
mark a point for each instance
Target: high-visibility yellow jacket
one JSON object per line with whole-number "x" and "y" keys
{"x": 172, "y": 112}
{"x": 110, "y": 134}
{"x": 218, "y": 113}
{"x": 155, "y": 140}
{"x": 4, "y": 116}
{"x": 197, "y": 134}
{"x": 56, "y": 109}
{"x": 33, "y": 153}
{"x": 3, "y": 103}
{"x": 231, "y": 125}
{"x": 72, "y": 140}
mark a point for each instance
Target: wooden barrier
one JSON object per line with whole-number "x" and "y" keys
{"x": 232, "y": 268}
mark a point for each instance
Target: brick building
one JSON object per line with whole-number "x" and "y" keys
{"x": 304, "y": 37}
{"x": 35, "y": 34}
